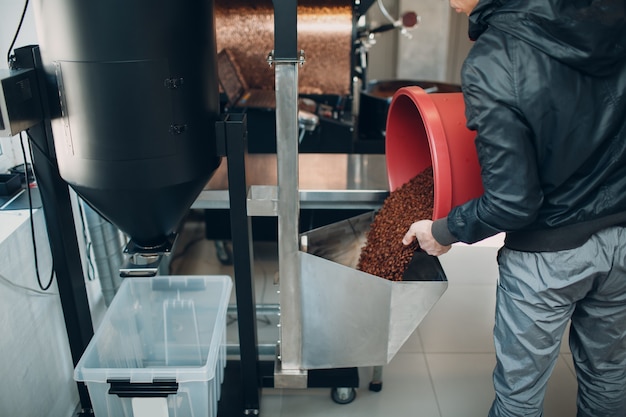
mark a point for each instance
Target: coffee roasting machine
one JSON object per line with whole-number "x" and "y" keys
{"x": 132, "y": 121}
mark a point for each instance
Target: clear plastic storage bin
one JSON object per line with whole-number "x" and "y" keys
{"x": 160, "y": 350}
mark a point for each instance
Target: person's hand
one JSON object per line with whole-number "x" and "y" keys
{"x": 422, "y": 231}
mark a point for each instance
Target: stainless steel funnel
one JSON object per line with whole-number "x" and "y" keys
{"x": 351, "y": 318}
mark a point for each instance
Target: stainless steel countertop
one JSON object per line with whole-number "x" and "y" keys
{"x": 331, "y": 181}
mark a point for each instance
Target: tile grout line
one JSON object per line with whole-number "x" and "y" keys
{"x": 430, "y": 376}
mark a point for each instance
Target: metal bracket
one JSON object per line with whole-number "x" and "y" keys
{"x": 290, "y": 378}
{"x": 145, "y": 262}
{"x": 301, "y": 59}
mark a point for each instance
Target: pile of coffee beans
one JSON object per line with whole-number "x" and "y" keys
{"x": 384, "y": 254}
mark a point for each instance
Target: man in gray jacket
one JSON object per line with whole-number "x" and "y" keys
{"x": 545, "y": 90}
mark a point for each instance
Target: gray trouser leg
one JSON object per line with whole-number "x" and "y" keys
{"x": 537, "y": 295}
{"x": 598, "y": 337}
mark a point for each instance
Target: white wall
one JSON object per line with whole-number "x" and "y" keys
{"x": 383, "y": 55}
{"x": 11, "y": 11}
{"x": 458, "y": 47}
{"x": 424, "y": 57}
{"x": 436, "y": 50}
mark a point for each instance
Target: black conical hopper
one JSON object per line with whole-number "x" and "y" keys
{"x": 138, "y": 98}
{"x": 149, "y": 216}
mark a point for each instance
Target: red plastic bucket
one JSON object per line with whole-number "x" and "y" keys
{"x": 426, "y": 130}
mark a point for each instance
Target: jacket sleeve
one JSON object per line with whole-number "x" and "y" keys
{"x": 504, "y": 144}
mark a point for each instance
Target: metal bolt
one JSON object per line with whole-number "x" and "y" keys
{"x": 177, "y": 129}
{"x": 173, "y": 83}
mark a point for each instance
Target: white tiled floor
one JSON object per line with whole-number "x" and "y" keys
{"x": 443, "y": 370}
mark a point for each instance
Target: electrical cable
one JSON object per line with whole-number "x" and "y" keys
{"x": 17, "y": 32}
{"x": 29, "y": 290}
{"x": 385, "y": 13}
{"x": 32, "y": 222}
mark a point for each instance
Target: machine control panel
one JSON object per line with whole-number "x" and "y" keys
{"x": 20, "y": 108}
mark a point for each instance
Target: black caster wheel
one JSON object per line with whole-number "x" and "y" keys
{"x": 343, "y": 395}
{"x": 376, "y": 386}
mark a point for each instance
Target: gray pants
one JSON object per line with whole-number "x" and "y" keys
{"x": 537, "y": 295}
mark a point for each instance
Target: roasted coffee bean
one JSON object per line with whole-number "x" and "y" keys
{"x": 384, "y": 254}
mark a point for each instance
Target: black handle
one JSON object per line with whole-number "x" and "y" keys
{"x": 123, "y": 388}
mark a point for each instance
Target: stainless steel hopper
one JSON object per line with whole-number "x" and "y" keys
{"x": 351, "y": 318}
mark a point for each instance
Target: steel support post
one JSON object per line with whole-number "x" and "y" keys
{"x": 234, "y": 131}
{"x": 287, "y": 58}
